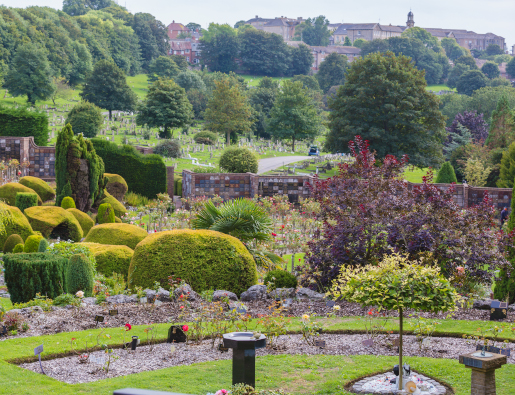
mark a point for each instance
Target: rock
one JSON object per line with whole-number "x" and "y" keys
{"x": 482, "y": 304}
{"x": 306, "y": 293}
{"x": 55, "y": 308}
{"x": 256, "y": 292}
{"x": 150, "y": 293}
{"x": 163, "y": 295}
{"x": 187, "y": 291}
{"x": 117, "y": 299}
{"x": 283, "y": 293}
{"x": 89, "y": 301}
{"x": 511, "y": 307}
{"x": 15, "y": 311}
{"x": 31, "y": 310}
{"x": 219, "y": 295}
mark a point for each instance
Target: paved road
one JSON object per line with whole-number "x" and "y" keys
{"x": 269, "y": 164}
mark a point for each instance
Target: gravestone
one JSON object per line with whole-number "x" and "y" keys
{"x": 176, "y": 335}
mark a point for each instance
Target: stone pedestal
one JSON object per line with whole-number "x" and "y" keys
{"x": 483, "y": 371}
{"x": 244, "y": 346}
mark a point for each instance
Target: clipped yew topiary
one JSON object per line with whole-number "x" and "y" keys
{"x": 41, "y": 187}
{"x": 85, "y": 221}
{"x": 111, "y": 258}
{"x": 54, "y": 222}
{"x": 105, "y": 214}
{"x": 118, "y": 220}
{"x": 116, "y": 234}
{"x": 12, "y": 221}
{"x": 238, "y": 160}
{"x": 203, "y": 258}
{"x": 25, "y": 200}
{"x": 9, "y": 191}
{"x": 43, "y": 245}
{"x": 446, "y": 175}
{"x": 79, "y": 275}
{"x": 18, "y": 248}
{"x": 11, "y": 242}
{"x": 116, "y": 186}
{"x": 119, "y": 208}
{"x": 67, "y": 203}
{"x": 32, "y": 243}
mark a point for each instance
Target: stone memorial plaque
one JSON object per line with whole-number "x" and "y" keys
{"x": 176, "y": 335}
{"x": 3, "y": 330}
{"x": 426, "y": 342}
{"x": 368, "y": 343}
{"x": 498, "y": 310}
{"x": 330, "y": 303}
{"x": 113, "y": 312}
{"x": 320, "y": 343}
{"x": 395, "y": 343}
{"x": 99, "y": 318}
{"x": 495, "y": 350}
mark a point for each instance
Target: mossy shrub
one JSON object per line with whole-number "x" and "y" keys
{"x": 118, "y": 220}
{"x": 54, "y": 222}
{"x": 43, "y": 245}
{"x": 67, "y": 203}
{"x": 79, "y": 275}
{"x": 11, "y": 242}
{"x": 12, "y": 221}
{"x": 111, "y": 258}
{"x": 32, "y": 243}
{"x": 203, "y": 258}
{"x": 201, "y": 137}
{"x": 280, "y": 279}
{"x": 45, "y": 191}
{"x": 85, "y": 221}
{"x": 116, "y": 186}
{"x": 238, "y": 160}
{"x": 105, "y": 214}
{"x": 25, "y": 200}
{"x": 18, "y": 248}
{"x": 9, "y": 191}
{"x": 116, "y": 234}
{"x": 119, "y": 208}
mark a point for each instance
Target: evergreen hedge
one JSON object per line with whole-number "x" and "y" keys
{"x": 25, "y": 200}
{"x": 32, "y": 243}
{"x": 29, "y": 274}
{"x": 79, "y": 275}
{"x": 144, "y": 174}
{"x": 24, "y": 123}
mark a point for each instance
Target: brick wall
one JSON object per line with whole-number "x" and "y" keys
{"x": 42, "y": 159}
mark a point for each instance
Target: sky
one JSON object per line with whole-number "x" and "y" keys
{"x": 495, "y": 16}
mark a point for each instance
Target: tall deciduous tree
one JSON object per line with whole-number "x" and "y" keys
{"x": 384, "y": 100}
{"x": 228, "y": 110}
{"x": 473, "y": 122}
{"x": 81, "y": 64}
{"x": 347, "y": 42}
{"x": 30, "y": 74}
{"x": 471, "y": 81}
{"x": 264, "y": 53}
{"x": 166, "y": 105}
{"x": 301, "y": 60}
{"x": 85, "y": 118}
{"x": 107, "y": 88}
{"x": 502, "y": 127}
{"x": 315, "y": 31}
{"x": 510, "y": 68}
{"x": 491, "y": 70}
{"x": 294, "y": 115}
{"x": 162, "y": 67}
{"x": 455, "y": 74}
{"x": 219, "y": 48}
{"x": 332, "y": 71}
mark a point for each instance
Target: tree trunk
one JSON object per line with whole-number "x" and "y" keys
{"x": 110, "y": 115}
{"x": 400, "y": 350}
{"x": 293, "y": 144}
{"x": 228, "y": 138}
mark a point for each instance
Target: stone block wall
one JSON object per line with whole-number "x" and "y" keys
{"x": 41, "y": 159}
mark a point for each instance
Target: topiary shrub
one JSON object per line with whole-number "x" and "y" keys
{"x": 85, "y": 221}
{"x": 32, "y": 243}
{"x": 200, "y": 137}
{"x": 26, "y": 200}
{"x": 79, "y": 275}
{"x": 9, "y": 191}
{"x": 118, "y": 220}
{"x": 45, "y": 191}
{"x": 12, "y": 221}
{"x": 280, "y": 279}
{"x": 119, "y": 208}
{"x": 446, "y": 175}
{"x": 105, "y": 214}
{"x": 116, "y": 234}
{"x": 11, "y": 242}
{"x": 29, "y": 274}
{"x": 111, "y": 258}
{"x": 177, "y": 186}
{"x": 238, "y": 160}
{"x": 168, "y": 149}
{"x": 116, "y": 186}
{"x": 203, "y": 258}
{"x": 67, "y": 203}
{"x": 54, "y": 222}
{"x": 43, "y": 245}
{"x": 18, "y": 248}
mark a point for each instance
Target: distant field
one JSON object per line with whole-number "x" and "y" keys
{"x": 252, "y": 80}
{"x": 416, "y": 174}
{"x": 438, "y": 88}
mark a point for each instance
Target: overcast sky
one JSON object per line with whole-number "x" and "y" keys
{"x": 496, "y": 16}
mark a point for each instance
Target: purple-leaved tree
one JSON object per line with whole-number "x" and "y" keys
{"x": 473, "y": 121}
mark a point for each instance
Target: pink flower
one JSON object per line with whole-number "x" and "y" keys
{"x": 221, "y": 392}
{"x": 185, "y": 328}
{"x": 460, "y": 269}
{"x": 128, "y": 327}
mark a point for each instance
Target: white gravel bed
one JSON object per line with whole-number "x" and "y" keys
{"x": 69, "y": 370}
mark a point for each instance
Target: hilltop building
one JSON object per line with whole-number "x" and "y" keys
{"x": 187, "y": 45}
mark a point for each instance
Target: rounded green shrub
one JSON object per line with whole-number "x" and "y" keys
{"x": 11, "y": 242}
{"x": 18, "y": 248}
{"x": 116, "y": 186}
{"x": 85, "y": 221}
{"x": 67, "y": 203}
{"x": 43, "y": 245}
{"x": 280, "y": 279}
{"x": 116, "y": 234}
{"x": 168, "y": 149}
{"x": 85, "y": 118}
{"x": 238, "y": 160}
{"x": 111, "y": 258}
{"x": 32, "y": 243}
{"x": 205, "y": 137}
{"x": 119, "y": 208}
{"x": 12, "y": 221}
{"x": 9, "y": 191}
{"x": 446, "y": 175}
{"x": 54, "y": 222}
{"x": 105, "y": 214}
{"x": 203, "y": 258}
{"x": 118, "y": 220}
{"x": 25, "y": 200}
{"x": 45, "y": 191}
{"x": 79, "y": 275}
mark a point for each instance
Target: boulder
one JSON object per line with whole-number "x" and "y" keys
{"x": 306, "y": 293}
{"x": 283, "y": 293}
{"x": 256, "y": 292}
{"x": 54, "y": 222}
{"x": 482, "y": 304}
{"x": 150, "y": 293}
{"x": 89, "y": 301}
{"x": 119, "y": 299}
{"x": 187, "y": 291}
{"x": 218, "y": 295}
{"x": 45, "y": 191}
{"x": 163, "y": 295}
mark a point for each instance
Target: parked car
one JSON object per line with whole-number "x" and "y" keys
{"x": 313, "y": 151}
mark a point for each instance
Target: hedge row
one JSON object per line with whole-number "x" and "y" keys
{"x": 24, "y": 123}
{"x": 144, "y": 174}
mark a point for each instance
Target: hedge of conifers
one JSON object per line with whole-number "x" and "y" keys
{"x": 24, "y": 123}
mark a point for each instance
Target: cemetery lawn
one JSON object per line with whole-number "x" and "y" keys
{"x": 438, "y": 88}
{"x": 415, "y": 174}
{"x": 299, "y": 260}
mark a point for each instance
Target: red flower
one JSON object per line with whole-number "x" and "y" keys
{"x": 128, "y": 327}
{"x": 274, "y": 234}
{"x": 185, "y": 328}
{"x": 182, "y": 307}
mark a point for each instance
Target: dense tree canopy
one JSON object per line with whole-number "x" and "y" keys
{"x": 491, "y": 70}
{"x": 471, "y": 81}
{"x": 220, "y": 47}
{"x": 332, "y": 71}
{"x": 384, "y": 100}
{"x": 263, "y": 53}
{"x": 162, "y": 67}
{"x": 510, "y": 68}
{"x": 314, "y": 31}
{"x": 301, "y": 60}
{"x": 85, "y": 118}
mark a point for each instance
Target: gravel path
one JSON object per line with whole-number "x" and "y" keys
{"x": 269, "y": 164}
{"x": 69, "y": 369}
